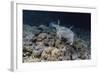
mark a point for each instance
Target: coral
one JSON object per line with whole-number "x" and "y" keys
{"x": 55, "y": 53}
{"x": 42, "y": 36}
{"x": 79, "y": 43}
{"x": 42, "y": 43}
{"x": 51, "y": 42}
{"x": 46, "y": 53}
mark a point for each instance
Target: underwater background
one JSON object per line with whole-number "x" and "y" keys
{"x": 80, "y": 24}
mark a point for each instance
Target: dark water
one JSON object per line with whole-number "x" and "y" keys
{"x": 81, "y": 22}
{"x": 78, "y": 20}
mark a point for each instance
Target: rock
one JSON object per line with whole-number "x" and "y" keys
{"x": 26, "y": 54}
{"x": 46, "y": 54}
{"x": 62, "y": 51}
{"x": 61, "y": 46}
{"x": 27, "y": 48}
{"x": 49, "y": 36}
{"x": 79, "y": 44}
{"x": 51, "y": 42}
{"x": 41, "y": 36}
{"x": 48, "y": 50}
{"x": 46, "y": 42}
{"x": 57, "y": 43}
{"x": 27, "y": 32}
{"x": 37, "y": 51}
{"x": 27, "y": 27}
{"x": 38, "y": 47}
{"x": 84, "y": 54}
{"x": 55, "y": 53}
{"x": 39, "y": 43}
{"x": 74, "y": 54}
{"x": 34, "y": 39}
{"x": 27, "y": 35}
{"x": 30, "y": 36}
{"x": 35, "y": 30}
{"x": 39, "y": 39}
{"x": 44, "y": 28}
{"x": 27, "y": 42}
